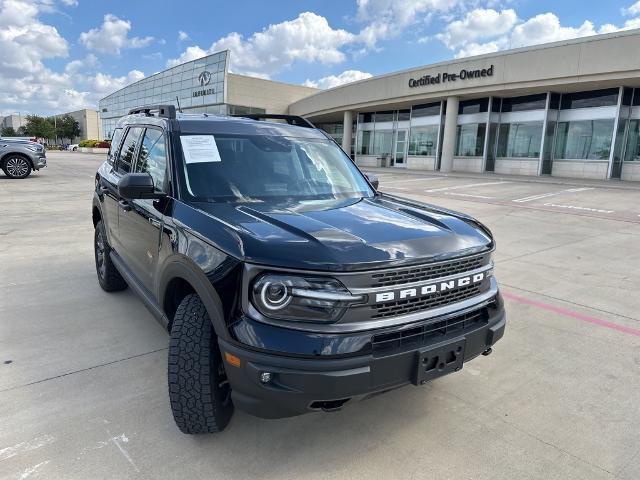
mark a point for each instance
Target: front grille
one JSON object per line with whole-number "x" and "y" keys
{"x": 428, "y": 333}
{"x": 427, "y": 272}
{"x": 411, "y": 305}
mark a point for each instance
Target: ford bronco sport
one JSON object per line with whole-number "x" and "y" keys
{"x": 287, "y": 282}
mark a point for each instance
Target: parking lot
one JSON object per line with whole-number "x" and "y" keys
{"x": 83, "y": 373}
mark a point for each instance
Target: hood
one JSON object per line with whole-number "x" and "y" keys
{"x": 343, "y": 235}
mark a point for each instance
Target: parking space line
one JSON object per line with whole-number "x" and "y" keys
{"x": 457, "y": 194}
{"x": 531, "y": 198}
{"x": 469, "y": 185}
{"x": 572, "y": 314}
{"x": 424, "y": 179}
{"x": 575, "y": 207}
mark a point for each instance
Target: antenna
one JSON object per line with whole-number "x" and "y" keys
{"x": 178, "y": 102}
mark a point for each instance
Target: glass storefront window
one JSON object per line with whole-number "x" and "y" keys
{"x": 470, "y": 140}
{"x": 632, "y": 151}
{"x": 384, "y": 116}
{"x": 365, "y": 142}
{"x": 425, "y": 110}
{"x": 520, "y": 140}
{"x": 584, "y": 139}
{"x": 473, "y": 106}
{"x": 383, "y": 141}
{"x": 528, "y": 102}
{"x": 423, "y": 140}
{"x": 595, "y": 98}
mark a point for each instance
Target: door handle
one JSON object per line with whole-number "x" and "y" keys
{"x": 124, "y": 205}
{"x": 102, "y": 190}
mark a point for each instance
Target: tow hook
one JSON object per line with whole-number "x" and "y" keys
{"x": 487, "y": 352}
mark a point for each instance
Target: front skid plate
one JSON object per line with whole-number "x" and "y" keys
{"x": 434, "y": 362}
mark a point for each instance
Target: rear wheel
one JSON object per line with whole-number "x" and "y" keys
{"x": 199, "y": 392}
{"x": 108, "y": 276}
{"x": 17, "y": 167}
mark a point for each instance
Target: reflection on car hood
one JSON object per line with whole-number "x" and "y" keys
{"x": 352, "y": 234}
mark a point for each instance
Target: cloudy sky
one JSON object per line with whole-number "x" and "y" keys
{"x": 62, "y": 55}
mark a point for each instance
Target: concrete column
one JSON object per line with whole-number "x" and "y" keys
{"x": 449, "y": 136}
{"x": 347, "y": 124}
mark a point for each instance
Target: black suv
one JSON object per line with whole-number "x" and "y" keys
{"x": 288, "y": 284}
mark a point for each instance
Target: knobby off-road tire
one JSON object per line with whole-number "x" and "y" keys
{"x": 198, "y": 389}
{"x": 108, "y": 276}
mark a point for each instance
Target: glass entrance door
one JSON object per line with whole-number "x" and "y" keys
{"x": 400, "y": 149}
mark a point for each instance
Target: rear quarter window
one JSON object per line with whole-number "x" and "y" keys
{"x": 115, "y": 143}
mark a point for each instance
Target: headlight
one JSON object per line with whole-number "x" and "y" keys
{"x": 33, "y": 148}
{"x": 304, "y": 299}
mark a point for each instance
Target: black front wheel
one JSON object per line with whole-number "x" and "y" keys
{"x": 199, "y": 392}
{"x": 17, "y": 167}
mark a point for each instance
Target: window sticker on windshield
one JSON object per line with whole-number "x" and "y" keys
{"x": 200, "y": 149}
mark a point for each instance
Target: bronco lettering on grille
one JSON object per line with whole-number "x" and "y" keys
{"x": 430, "y": 288}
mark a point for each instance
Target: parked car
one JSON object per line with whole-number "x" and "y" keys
{"x": 287, "y": 282}
{"x": 18, "y": 158}
{"x": 72, "y": 147}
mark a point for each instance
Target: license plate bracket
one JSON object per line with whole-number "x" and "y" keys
{"x": 439, "y": 360}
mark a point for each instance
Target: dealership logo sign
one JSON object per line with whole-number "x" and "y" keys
{"x": 204, "y": 78}
{"x": 435, "y": 289}
{"x": 445, "y": 77}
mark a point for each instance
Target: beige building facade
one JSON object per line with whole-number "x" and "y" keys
{"x": 567, "y": 109}
{"x": 90, "y": 124}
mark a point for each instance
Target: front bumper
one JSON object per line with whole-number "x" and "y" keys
{"x": 301, "y": 385}
{"x": 39, "y": 160}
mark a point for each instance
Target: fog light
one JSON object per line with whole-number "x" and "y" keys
{"x": 265, "y": 377}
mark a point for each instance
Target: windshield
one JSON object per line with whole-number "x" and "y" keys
{"x": 250, "y": 168}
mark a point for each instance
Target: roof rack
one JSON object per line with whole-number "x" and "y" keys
{"x": 295, "y": 120}
{"x": 165, "y": 111}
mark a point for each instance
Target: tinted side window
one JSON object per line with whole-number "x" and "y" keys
{"x": 115, "y": 143}
{"x": 153, "y": 159}
{"x": 128, "y": 150}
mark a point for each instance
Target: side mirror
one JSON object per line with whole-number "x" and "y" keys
{"x": 137, "y": 186}
{"x": 373, "y": 180}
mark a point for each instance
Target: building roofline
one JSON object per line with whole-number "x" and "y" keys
{"x": 165, "y": 70}
{"x": 274, "y": 81}
{"x": 501, "y": 53}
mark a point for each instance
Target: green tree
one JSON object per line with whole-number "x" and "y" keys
{"x": 39, "y": 127}
{"x": 8, "y": 132}
{"x": 68, "y": 127}
{"x": 22, "y": 131}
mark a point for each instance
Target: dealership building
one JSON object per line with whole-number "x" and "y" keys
{"x": 566, "y": 109}
{"x": 202, "y": 86}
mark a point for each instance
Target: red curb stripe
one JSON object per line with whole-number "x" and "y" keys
{"x": 570, "y": 313}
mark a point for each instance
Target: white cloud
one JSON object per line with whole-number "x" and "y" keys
{"x": 478, "y": 24}
{"x": 104, "y": 84}
{"x": 191, "y": 53}
{"x": 183, "y": 36}
{"x": 473, "y": 48}
{"x": 331, "y": 81}
{"x": 112, "y": 36}
{"x": 70, "y": 3}
{"x": 387, "y": 18}
{"x": 545, "y": 28}
{"x": 307, "y": 38}
{"x": 633, "y": 9}
{"x": 504, "y": 31}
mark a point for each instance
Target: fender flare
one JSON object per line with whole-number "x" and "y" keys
{"x": 182, "y": 268}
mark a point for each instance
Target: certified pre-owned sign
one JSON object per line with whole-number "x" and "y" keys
{"x": 444, "y": 77}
